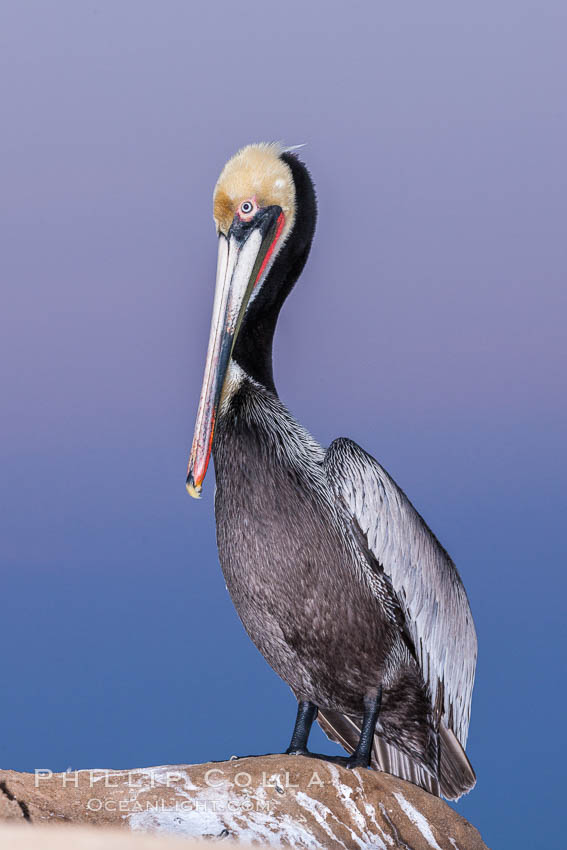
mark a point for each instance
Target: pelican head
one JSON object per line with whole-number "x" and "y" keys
{"x": 264, "y": 211}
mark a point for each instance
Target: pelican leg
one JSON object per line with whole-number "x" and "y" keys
{"x": 306, "y": 714}
{"x": 362, "y": 754}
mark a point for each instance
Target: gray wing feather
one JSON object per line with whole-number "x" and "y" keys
{"x": 424, "y": 577}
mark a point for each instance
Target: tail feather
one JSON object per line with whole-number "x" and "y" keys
{"x": 456, "y": 774}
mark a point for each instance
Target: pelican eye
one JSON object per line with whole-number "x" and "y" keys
{"x": 247, "y": 209}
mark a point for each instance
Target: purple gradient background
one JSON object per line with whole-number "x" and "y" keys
{"x": 429, "y": 326}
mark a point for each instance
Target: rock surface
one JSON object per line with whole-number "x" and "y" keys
{"x": 93, "y": 838}
{"x": 274, "y": 800}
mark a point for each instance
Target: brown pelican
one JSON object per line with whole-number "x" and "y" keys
{"x": 336, "y": 577}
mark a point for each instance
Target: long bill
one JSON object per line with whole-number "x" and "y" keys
{"x": 239, "y": 267}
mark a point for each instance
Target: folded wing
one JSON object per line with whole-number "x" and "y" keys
{"x": 424, "y": 578}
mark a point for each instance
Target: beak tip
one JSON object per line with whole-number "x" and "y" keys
{"x": 193, "y": 489}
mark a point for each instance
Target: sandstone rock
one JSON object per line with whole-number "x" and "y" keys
{"x": 277, "y": 800}
{"x": 9, "y": 807}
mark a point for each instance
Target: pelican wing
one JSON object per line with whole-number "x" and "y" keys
{"x": 424, "y": 578}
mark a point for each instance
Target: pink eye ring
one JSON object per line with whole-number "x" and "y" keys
{"x": 248, "y": 209}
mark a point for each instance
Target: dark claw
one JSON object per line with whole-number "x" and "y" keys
{"x": 352, "y": 763}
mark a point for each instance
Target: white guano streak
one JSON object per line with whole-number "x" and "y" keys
{"x": 418, "y": 820}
